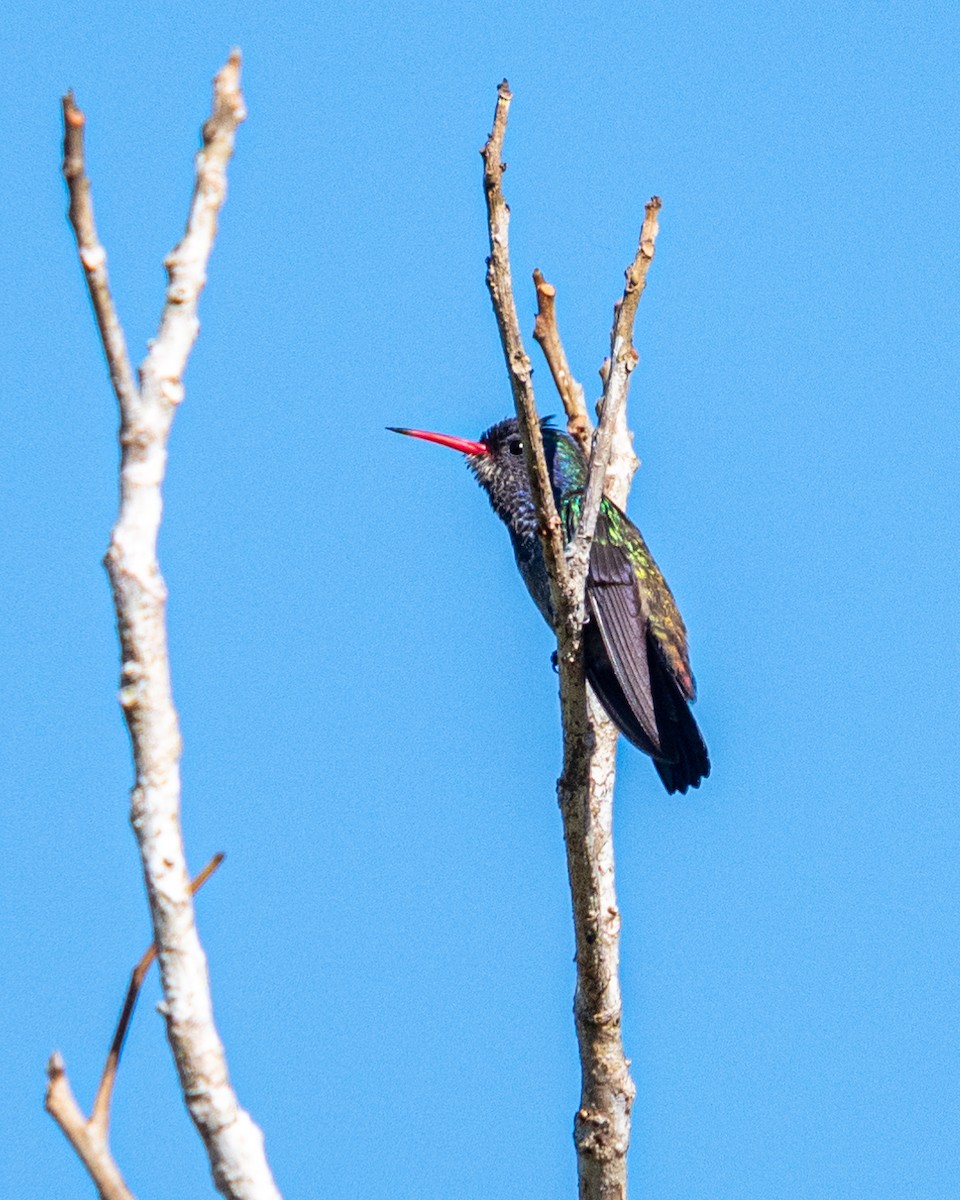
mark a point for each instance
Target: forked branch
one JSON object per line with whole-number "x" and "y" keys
{"x": 585, "y": 788}
{"x": 90, "y": 1137}
{"x": 234, "y": 1143}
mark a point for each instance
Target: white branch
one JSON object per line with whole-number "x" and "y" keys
{"x": 233, "y": 1142}
{"x": 88, "y": 1138}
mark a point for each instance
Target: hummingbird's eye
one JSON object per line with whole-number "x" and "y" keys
{"x": 515, "y": 445}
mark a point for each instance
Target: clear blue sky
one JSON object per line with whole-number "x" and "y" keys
{"x": 369, "y": 713}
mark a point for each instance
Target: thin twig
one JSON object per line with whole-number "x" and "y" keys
{"x": 500, "y": 284}
{"x": 100, "y": 1114}
{"x": 234, "y": 1143}
{"x": 546, "y": 332}
{"x": 93, "y": 257}
{"x": 91, "y": 1137}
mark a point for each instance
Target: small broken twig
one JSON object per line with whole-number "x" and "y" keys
{"x": 90, "y": 1137}
{"x": 100, "y": 1114}
{"x": 545, "y": 332}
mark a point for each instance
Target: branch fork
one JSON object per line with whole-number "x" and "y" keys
{"x": 234, "y": 1144}
{"x": 90, "y": 1136}
{"x": 585, "y": 787}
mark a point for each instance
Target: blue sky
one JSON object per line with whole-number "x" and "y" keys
{"x": 369, "y": 714}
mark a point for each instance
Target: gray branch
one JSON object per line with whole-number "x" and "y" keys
{"x": 613, "y": 405}
{"x": 585, "y": 787}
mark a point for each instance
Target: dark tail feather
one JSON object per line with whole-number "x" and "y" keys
{"x": 681, "y": 757}
{"x": 685, "y": 760}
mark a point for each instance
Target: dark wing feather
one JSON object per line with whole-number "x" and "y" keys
{"x": 635, "y": 649}
{"x": 613, "y": 601}
{"x": 603, "y": 680}
{"x": 685, "y": 761}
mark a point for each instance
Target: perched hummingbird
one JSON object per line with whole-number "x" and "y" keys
{"x": 635, "y": 642}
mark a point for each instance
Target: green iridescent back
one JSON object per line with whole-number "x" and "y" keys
{"x": 616, "y": 530}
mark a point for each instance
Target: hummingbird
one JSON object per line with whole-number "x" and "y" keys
{"x": 635, "y": 642}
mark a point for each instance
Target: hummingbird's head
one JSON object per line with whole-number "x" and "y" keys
{"x": 498, "y": 462}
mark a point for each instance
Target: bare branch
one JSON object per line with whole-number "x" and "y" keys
{"x": 545, "y": 332}
{"x": 623, "y": 358}
{"x": 585, "y": 788}
{"x": 90, "y": 1138}
{"x": 93, "y": 257}
{"x": 234, "y": 1143}
{"x": 567, "y": 596}
{"x": 603, "y": 1121}
{"x": 161, "y": 370}
{"x": 89, "y": 1142}
{"x": 500, "y": 284}
{"x": 566, "y": 593}
{"x": 100, "y": 1114}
